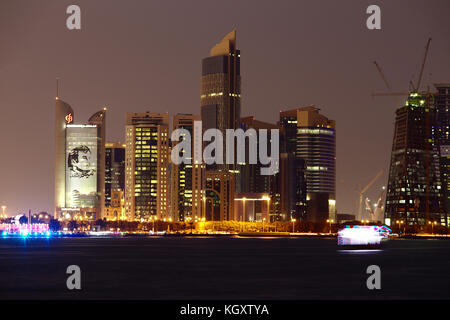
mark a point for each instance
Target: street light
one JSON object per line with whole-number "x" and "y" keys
{"x": 432, "y": 225}
{"x": 293, "y": 222}
{"x": 331, "y": 221}
{"x": 243, "y": 213}
{"x": 190, "y": 222}
{"x": 204, "y": 206}
{"x": 399, "y": 222}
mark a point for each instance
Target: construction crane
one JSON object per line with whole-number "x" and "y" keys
{"x": 379, "y": 206}
{"x": 376, "y": 210}
{"x": 423, "y": 65}
{"x": 369, "y": 207}
{"x": 382, "y": 75}
{"x": 415, "y": 88}
{"x": 363, "y": 190}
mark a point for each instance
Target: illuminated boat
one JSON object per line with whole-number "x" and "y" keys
{"x": 364, "y": 237}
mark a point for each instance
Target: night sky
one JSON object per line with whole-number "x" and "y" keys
{"x": 146, "y": 56}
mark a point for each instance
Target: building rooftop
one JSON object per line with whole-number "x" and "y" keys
{"x": 225, "y": 46}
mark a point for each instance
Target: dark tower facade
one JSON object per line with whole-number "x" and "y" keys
{"x": 114, "y": 169}
{"x": 221, "y": 90}
{"x": 414, "y": 193}
{"x": 308, "y": 161}
{"x": 443, "y": 131}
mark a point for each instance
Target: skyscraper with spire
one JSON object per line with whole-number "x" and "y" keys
{"x": 220, "y": 96}
{"x": 220, "y": 101}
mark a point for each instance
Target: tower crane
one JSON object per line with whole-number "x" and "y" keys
{"x": 415, "y": 88}
{"x": 382, "y": 76}
{"x": 363, "y": 190}
{"x": 379, "y": 207}
{"x": 423, "y": 65}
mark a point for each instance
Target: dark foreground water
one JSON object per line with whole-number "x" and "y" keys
{"x": 222, "y": 268}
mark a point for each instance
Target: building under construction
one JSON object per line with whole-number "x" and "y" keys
{"x": 414, "y": 193}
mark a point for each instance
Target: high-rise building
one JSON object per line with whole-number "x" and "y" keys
{"x": 114, "y": 180}
{"x": 146, "y": 166}
{"x": 221, "y": 91}
{"x": 251, "y": 179}
{"x": 443, "y": 131}
{"x": 291, "y": 185}
{"x": 79, "y": 164}
{"x": 188, "y": 180}
{"x": 291, "y": 180}
{"x": 288, "y": 128}
{"x": 316, "y": 145}
{"x": 220, "y": 101}
{"x": 414, "y": 193}
{"x": 114, "y": 169}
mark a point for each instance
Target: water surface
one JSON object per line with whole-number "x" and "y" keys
{"x": 220, "y": 268}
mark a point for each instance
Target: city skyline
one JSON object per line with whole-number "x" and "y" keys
{"x": 77, "y": 92}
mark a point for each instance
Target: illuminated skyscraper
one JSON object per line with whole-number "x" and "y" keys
{"x": 79, "y": 164}
{"x": 188, "y": 180}
{"x": 443, "y": 131}
{"x": 315, "y": 143}
{"x": 414, "y": 193}
{"x": 114, "y": 180}
{"x": 221, "y": 90}
{"x": 64, "y": 115}
{"x": 146, "y": 166}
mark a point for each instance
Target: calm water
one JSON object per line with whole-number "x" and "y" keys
{"x": 222, "y": 268}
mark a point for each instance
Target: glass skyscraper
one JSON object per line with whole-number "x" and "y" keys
{"x": 220, "y": 96}
{"x": 309, "y": 136}
{"x": 414, "y": 193}
{"x": 146, "y": 166}
{"x": 188, "y": 180}
{"x": 443, "y": 131}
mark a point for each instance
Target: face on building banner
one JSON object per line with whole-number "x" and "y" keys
{"x": 81, "y": 168}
